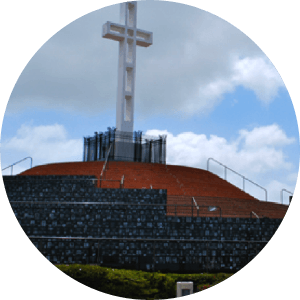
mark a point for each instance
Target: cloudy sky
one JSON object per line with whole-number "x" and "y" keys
{"x": 203, "y": 83}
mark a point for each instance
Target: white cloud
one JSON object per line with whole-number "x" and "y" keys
{"x": 45, "y": 143}
{"x": 253, "y": 154}
{"x": 275, "y": 188}
{"x": 258, "y": 75}
{"x": 258, "y": 150}
{"x": 253, "y": 151}
{"x": 253, "y": 73}
{"x": 270, "y": 135}
{"x": 194, "y": 61}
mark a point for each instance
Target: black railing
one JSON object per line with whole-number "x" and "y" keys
{"x": 125, "y": 146}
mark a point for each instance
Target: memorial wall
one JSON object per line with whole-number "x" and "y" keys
{"x": 71, "y": 221}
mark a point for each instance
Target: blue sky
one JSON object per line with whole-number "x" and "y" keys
{"x": 202, "y": 82}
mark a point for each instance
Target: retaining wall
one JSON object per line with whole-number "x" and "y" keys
{"x": 71, "y": 221}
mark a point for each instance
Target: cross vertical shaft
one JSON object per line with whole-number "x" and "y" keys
{"x": 128, "y": 37}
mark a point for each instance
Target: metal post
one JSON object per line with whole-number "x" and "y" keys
{"x": 88, "y": 149}
{"x": 109, "y": 143}
{"x": 135, "y": 145}
{"x": 112, "y": 147}
{"x": 140, "y": 146}
{"x": 225, "y": 173}
{"x": 84, "y": 149}
{"x": 160, "y": 149}
{"x": 281, "y": 194}
{"x": 104, "y": 145}
{"x": 150, "y": 151}
{"x": 96, "y": 147}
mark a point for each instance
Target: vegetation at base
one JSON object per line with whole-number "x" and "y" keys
{"x": 137, "y": 284}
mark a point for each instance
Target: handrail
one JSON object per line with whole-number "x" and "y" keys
{"x": 281, "y": 194}
{"x": 122, "y": 181}
{"x": 244, "y": 178}
{"x": 221, "y": 210}
{"x": 106, "y": 159}
{"x": 252, "y": 212}
{"x": 11, "y": 166}
{"x": 197, "y": 206}
{"x": 195, "y": 203}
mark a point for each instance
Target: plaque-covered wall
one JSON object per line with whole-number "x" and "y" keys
{"x": 71, "y": 221}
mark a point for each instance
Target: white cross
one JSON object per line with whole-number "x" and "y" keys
{"x": 128, "y": 37}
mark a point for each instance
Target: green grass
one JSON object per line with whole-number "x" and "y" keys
{"x": 137, "y": 284}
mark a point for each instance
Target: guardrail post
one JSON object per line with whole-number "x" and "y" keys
{"x": 281, "y": 194}
{"x": 11, "y": 166}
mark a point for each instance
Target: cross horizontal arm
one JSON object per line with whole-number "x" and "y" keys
{"x": 118, "y": 32}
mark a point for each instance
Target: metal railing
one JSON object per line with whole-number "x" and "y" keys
{"x": 281, "y": 194}
{"x": 122, "y": 182}
{"x": 193, "y": 200}
{"x": 11, "y": 166}
{"x": 106, "y": 159}
{"x": 253, "y": 213}
{"x": 206, "y": 258}
{"x": 95, "y": 181}
{"x": 209, "y": 208}
{"x": 244, "y": 178}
